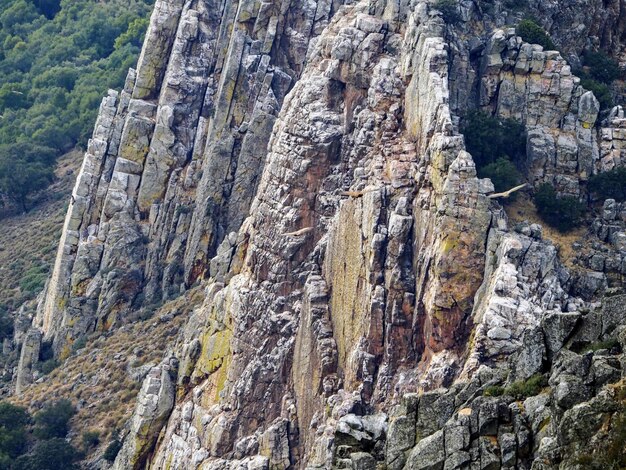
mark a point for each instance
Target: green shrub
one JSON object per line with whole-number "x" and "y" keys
{"x": 53, "y": 421}
{"x": 12, "y": 416}
{"x": 33, "y": 280}
{"x": 48, "y": 366}
{"x": 113, "y": 448}
{"x": 526, "y": 388}
{"x": 79, "y": 344}
{"x": 601, "y": 91}
{"x": 6, "y": 325}
{"x": 609, "y": 184}
{"x": 493, "y": 391}
{"x": 48, "y": 7}
{"x": 601, "y": 67}
{"x": 91, "y": 439}
{"x": 503, "y": 175}
{"x": 564, "y": 213}
{"x": 489, "y": 139}
{"x": 134, "y": 35}
{"x": 52, "y": 454}
{"x": 531, "y": 32}
{"x": 20, "y": 178}
{"x": 13, "y": 439}
{"x": 449, "y": 10}
{"x": 13, "y": 442}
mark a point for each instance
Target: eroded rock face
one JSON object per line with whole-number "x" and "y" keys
{"x": 154, "y": 405}
{"x": 175, "y": 158}
{"x": 363, "y": 295}
{"x": 321, "y": 327}
{"x": 28, "y": 359}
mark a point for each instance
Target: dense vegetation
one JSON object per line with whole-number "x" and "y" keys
{"x": 532, "y": 33}
{"x": 488, "y": 138}
{"x": 496, "y": 145}
{"x": 57, "y": 59}
{"x": 609, "y": 185}
{"x": 599, "y": 71}
{"x": 519, "y": 390}
{"x": 562, "y": 212}
{"x": 36, "y": 442}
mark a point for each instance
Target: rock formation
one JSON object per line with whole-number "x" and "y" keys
{"x": 363, "y": 296}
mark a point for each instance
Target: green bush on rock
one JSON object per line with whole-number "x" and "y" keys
{"x": 53, "y": 421}
{"x": 503, "y": 174}
{"x": 113, "y": 448}
{"x": 495, "y": 145}
{"x": 601, "y": 67}
{"x": 609, "y": 184}
{"x": 488, "y": 138}
{"x": 562, "y": 212}
{"x": 52, "y": 454}
{"x": 526, "y": 388}
{"x": 600, "y": 90}
{"x": 532, "y": 33}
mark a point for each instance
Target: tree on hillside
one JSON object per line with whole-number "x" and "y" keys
{"x": 57, "y": 60}
{"x": 24, "y": 169}
{"x": 53, "y": 421}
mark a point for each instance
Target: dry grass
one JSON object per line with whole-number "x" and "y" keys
{"x": 97, "y": 378}
{"x": 523, "y": 209}
{"x": 28, "y": 242}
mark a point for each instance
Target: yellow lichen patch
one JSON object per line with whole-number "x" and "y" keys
{"x": 220, "y": 377}
{"x": 66, "y": 350}
{"x": 450, "y": 243}
{"x": 345, "y": 267}
{"x": 215, "y": 347}
{"x": 544, "y": 423}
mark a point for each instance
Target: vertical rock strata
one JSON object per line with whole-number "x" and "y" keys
{"x": 174, "y": 160}
{"x": 303, "y": 162}
{"x": 363, "y": 187}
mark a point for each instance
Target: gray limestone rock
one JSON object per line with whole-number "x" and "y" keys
{"x": 29, "y": 358}
{"x": 154, "y": 404}
{"x": 428, "y": 454}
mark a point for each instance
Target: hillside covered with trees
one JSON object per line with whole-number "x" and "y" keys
{"x": 57, "y": 59}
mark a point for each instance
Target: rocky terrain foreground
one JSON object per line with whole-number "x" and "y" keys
{"x": 365, "y": 304}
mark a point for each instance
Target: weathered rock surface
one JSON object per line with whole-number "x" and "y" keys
{"x": 154, "y": 404}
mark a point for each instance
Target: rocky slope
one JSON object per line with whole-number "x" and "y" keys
{"x": 366, "y": 304}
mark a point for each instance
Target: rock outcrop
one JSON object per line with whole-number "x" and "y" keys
{"x": 154, "y": 405}
{"x": 366, "y": 305}
{"x": 175, "y": 158}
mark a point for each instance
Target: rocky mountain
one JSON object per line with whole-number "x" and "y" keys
{"x": 367, "y": 302}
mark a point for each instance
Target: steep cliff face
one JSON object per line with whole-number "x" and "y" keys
{"x": 303, "y": 161}
{"x": 174, "y": 160}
